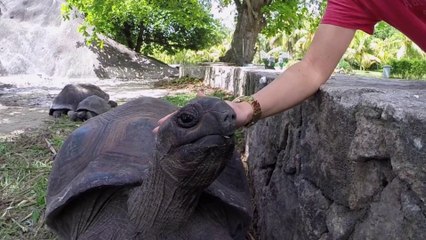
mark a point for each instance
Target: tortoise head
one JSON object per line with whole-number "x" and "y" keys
{"x": 194, "y": 144}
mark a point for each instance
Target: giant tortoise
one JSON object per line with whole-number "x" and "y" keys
{"x": 115, "y": 179}
{"x": 89, "y": 107}
{"x": 71, "y": 95}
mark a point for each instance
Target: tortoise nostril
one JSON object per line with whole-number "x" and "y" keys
{"x": 229, "y": 117}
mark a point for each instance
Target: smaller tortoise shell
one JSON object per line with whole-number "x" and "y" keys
{"x": 94, "y": 104}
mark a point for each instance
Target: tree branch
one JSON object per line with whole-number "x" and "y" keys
{"x": 128, "y": 35}
{"x": 238, "y": 5}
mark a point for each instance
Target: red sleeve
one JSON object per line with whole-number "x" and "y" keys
{"x": 349, "y": 14}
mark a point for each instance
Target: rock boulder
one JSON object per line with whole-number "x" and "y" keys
{"x": 34, "y": 39}
{"x": 349, "y": 163}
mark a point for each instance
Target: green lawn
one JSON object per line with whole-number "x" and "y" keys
{"x": 372, "y": 74}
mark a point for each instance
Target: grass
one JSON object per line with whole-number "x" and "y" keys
{"x": 25, "y": 164}
{"x": 372, "y": 74}
{"x": 180, "y": 99}
{"x": 379, "y": 74}
{"x": 181, "y": 83}
{"x": 26, "y": 161}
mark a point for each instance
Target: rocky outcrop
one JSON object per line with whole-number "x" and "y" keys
{"x": 348, "y": 163}
{"x": 35, "y": 40}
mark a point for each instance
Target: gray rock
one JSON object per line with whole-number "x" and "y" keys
{"x": 359, "y": 146}
{"x": 313, "y": 207}
{"x": 385, "y": 218}
{"x": 341, "y": 221}
{"x": 414, "y": 215}
{"x": 35, "y": 40}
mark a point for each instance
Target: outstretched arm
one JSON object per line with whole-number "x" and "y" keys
{"x": 302, "y": 79}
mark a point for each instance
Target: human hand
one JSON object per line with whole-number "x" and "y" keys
{"x": 161, "y": 121}
{"x": 243, "y": 111}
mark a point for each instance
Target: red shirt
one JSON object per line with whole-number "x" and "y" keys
{"x": 408, "y": 16}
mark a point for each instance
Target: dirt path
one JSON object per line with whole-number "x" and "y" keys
{"x": 25, "y": 100}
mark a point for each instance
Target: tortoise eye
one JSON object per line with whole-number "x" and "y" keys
{"x": 187, "y": 119}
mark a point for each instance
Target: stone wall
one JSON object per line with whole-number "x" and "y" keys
{"x": 348, "y": 163}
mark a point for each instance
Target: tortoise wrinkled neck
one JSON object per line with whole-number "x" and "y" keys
{"x": 161, "y": 205}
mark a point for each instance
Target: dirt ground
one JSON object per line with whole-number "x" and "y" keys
{"x": 25, "y": 100}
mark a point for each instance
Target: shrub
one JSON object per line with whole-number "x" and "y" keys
{"x": 419, "y": 68}
{"x": 408, "y": 68}
{"x": 344, "y": 67}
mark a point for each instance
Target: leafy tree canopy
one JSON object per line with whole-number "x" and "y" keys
{"x": 288, "y": 15}
{"x": 146, "y": 25}
{"x": 383, "y": 31}
{"x": 284, "y": 15}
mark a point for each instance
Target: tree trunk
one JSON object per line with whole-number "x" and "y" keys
{"x": 139, "y": 41}
{"x": 128, "y": 35}
{"x": 250, "y": 22}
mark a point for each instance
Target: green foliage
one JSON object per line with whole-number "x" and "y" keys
{"x": 289, "y": 15}
{"x": 291, "y": 27}
{"x": 372, "y": 52}
{"x": 365, "y": 52}
{"x": 211, "y": 54}
{"x": 145, "y": 25}
{"x": 344, "y": 67}
{"x": 418, "y": 68}
{"x": 384, "y": 31}
{"x": 360, "y": 54}
{"x": 409, "y": 68}
{"x": 282, "y": 16}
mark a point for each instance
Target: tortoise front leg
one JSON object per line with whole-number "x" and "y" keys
{"x": 90, "y": 114}
{"x": 58, "y": 113}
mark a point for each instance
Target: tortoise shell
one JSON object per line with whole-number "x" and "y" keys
{"x": 94, "y": 104}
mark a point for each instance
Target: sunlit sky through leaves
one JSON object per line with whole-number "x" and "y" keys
{"x": 225, "y": 15}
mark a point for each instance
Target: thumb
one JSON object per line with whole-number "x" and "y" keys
{"x": 161, "y": 121}
{"x": 243, "y": 111}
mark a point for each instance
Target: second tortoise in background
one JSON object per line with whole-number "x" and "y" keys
{"x": 80, "y": 102}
